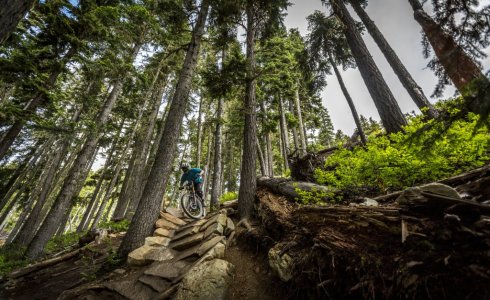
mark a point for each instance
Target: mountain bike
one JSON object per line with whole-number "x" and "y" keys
{"x": 191, "y": 203}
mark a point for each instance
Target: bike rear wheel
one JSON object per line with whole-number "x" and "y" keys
{"x": 192, "y": 206}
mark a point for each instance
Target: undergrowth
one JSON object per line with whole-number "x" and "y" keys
{"x": 421, "y": 153}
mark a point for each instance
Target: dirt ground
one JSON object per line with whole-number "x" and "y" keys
{"x": 254, "y": 279}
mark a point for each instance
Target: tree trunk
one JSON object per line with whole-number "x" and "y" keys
{"x": 349, "y": 101}
{"x": 294, "y": 128}
{"x": 217, "y": 173}
{"x": 29, "y": 228}
{"x": 143, "y": 137}
{"x": 284, "y": 134}
{"x": 199, "y": 133}
{"x": 270, "y": 154}
{"x": 302, "y": 133}
{"x": 401, "y": 72}
{"x": 246, "y": 194}
{"x": 207, "y": 168}
{"x": 78, "y": 172}
{"x": 11, "y": 13}
{"x": 460, "y": 68}
{"x": 109, "y": 191}
{"x": 262, "y": 163}
{"x": 147, "y": 213}
{"x": 389, "y": 111}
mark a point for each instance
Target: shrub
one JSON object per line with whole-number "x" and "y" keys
{"x": 229, "y": 196}
{"x": 418, "y": 155}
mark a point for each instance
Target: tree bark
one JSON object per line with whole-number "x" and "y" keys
{"x": 461, "y": 69}
{"x": 349, "y": 101}
{"x": 246, "y": 194}
{"x": 284, "y": 134}
{"x": 300, "y": 121}
{"x": 389, "y": 111}
{"x": 401, "y": 72}
{"x": 294, "y": 128}
{"x": 199, "y": 133}
{"x": 11, "y": 13}
{"x": 147, "y": 213}
{"x": 217, "y": 173}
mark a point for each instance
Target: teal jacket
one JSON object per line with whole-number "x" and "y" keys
{"x": 193, "y": 175}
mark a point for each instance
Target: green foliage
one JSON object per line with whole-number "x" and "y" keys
{"x": 229, "y": 196}
{"x": 400, "y": 160}
{"x": 62, "y": 242}
{"x": 314, "y": 196}
{"x": 119, "y": 226}
{"x": 11, "y": 257}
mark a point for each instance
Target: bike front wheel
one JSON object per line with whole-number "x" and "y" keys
{"x": 192, "y": 206}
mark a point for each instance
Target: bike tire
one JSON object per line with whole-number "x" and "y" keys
{"x": 192, "y": 207}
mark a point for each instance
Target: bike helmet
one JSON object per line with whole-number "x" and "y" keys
{"x": 185, "y": 167}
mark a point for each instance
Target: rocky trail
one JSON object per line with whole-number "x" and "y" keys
{"x": 431, "y": 241}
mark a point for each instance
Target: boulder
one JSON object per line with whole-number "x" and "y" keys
{"x": 369, "y": 202}
{"x": 218, "y": 251}
{"x": 209, "y": 280}
{"x": 414, "y": 195}
{"x": 215, "y": 228}
{"x": 230, "y": 227}
{"x": 282, "y": 264}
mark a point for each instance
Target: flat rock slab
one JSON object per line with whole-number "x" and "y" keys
{"x": 132, "y": 289}
{"x": 171, "y": 218}
{"x": 187, "y": 242}
{"x": 199, "y": 249}
{"x": 191, "y": 224}
{"x": 160, "y": 254}
{"x": 167, "y": 270}
{"x": 174, "y": 212}
{"x": 186, "y": 232}
{"x": 163, "y": 223}
{"x": 156, "y": 283}
{"x": 138, "y": 257}
{"x": 157, "y": 241}
{"x": 164, "y": 232}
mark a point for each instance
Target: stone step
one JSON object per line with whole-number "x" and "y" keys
{"x": 185, "y": 233}
{"x": 164, "y": 232}
{"x": 191, "y": 224}
{"x": 156, "y": 283}
{"x": 168, "y": 270}
{"x": 164, "y": 223}
{"x": 172, "y": 218}
{"x": 199, "y": 249}
{"x": 187, "y": 242}
{"x": 132, "y": 289}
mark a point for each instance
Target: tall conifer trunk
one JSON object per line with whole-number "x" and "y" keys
{"x": 401, "y": 72}
{"x": 147, "y": 213}
{"x": 349, "y": 100}
{"x": 389, "y": 111}
{"x": 248, "y": 184}
{"x": 461, "y": 69}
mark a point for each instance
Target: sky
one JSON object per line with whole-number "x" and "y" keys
{"x": 395, "y": 20}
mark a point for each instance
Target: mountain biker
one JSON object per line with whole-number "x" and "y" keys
{"x": 192, "y": 175}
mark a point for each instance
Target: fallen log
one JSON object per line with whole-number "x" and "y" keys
{"x": 292, "y": 189}
{"x": 422, "y": 249}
